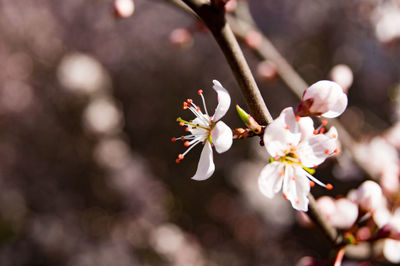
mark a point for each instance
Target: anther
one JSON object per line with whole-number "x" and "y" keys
{"x": 187, "y": 129}
{"x": 173, "y": 139}
{"x": 324, "y": 122}
{"x": 199, "y": 92}
{"x": 198, "y": 109}
{"x": 287, "y": 127}
{"x": 297, "y": 118}
{"x": 315, "y": 132}
{"x": 329, "y": 186}
{"x": 180, "y": 156}
{"x": 182, "y": 138}
{"x": 189, "y": 100}
{"x": 326, "y": 151}
{"x": 312, "y": 184}
{"x": 336, "y": 151}
{"x": 185, "y": 106}
{"x": 322, "y": 130}
{"x": 181, "y": 124}
{"x": 186, "y": 144}
{"x": 284, "y": 195}
{"x": 177, "y": 161}
{"x": 334, "y": 136}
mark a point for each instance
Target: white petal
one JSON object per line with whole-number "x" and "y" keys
{"x": 224, "y": 101}
{"x": 299, "y": 187}
{"x": 337, "y": 108}
{"x": 222, "y": 137}
{"x": 306, "y": 126}
{"x": 206, "y": 166}
{"x": 281, "y": 133}
{"x": 199, "y": 131}
{"x": 270, "y": 179}
{"x": 314, "y": 150}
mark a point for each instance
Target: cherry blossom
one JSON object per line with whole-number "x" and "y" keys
{"x": 294, "y": 148}
{"x": 208, "y": 130}
{"x": 324, "y": 98}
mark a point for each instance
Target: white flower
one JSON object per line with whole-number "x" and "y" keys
{"x": 207, "y": 130}
{"x": 325, "y": 98}
{"x": 294, "y": 147}
{"x": 369, "y": 196}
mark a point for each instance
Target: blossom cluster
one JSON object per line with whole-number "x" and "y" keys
{"x": 296, "y": 147}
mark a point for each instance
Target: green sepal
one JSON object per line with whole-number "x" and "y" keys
{"x": 271, "y": 160}
{"x": 248, "y": 120}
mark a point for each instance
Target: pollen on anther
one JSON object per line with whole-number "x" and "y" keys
{"x": 336, "y": 151}
{"x": 322, "y": 130}
{"x": 181, "y": 124}
{"x": 186, "y": 143}
{"x": 198, "y": 109}
{"x": 182, "y": 138}
{"x": 187, "y": 129}
{"x": 329, "y": 186}
{"x": 185, "y": 106}
{"x": 173, "y": 139}
{"x": 326, "y": 151}
{"x": 312, "y": 184}
{"x": 324, "y": 122}
{"x": 315, "y": 132}
{"x": 284, "y": 195}
{"x": 199, "y": 92}
{"x": 189, "y": 100}
{"x": 297, "y": 118}
{"x": 177, "y": 161}
{"x": 180, "y": 156}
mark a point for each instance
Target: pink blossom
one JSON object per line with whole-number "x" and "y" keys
{"x": 340, "y": 213}
{"x": 369, "y": 196}
{"x": 324, "y": 98}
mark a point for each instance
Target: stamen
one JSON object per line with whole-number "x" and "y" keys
{"x": 322, "y": 130}
{"x": 336, "y": 151}
{"x": 181, "y": 156}
{"x": 177, "y": 161}
{"x": 281, "y": 173}
{"x": 173, "y": 139}
{"x": 324, "y": 122}
{"x": 204, "y": 102}
{"x": 293, "y": 178}
{"x": 297, "y": 118}
{"x": 186, "y": 144}
{"x": 200, "y": 92}
{"x": 312, "y": 183}
{"x": 327, "y": 151}
{"x": 198, "y": 108}
{"x": 329, "y": 187}
{"x": 182, "y": 138}
{"x": 181, "y": 124}
{"x": 189, "y": 100}
{"x": 187, "y": 129}
{"x": 185, "y": 106}
{"x": 287, "y": 127}
{"x": 297, "y": 201}
{"x": 313, "y": 179}
{"x": 284, "y": 195}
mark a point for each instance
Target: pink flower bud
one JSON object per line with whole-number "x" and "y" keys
{"x": 369, "y": 196}
{"x": 266, "y": 70}
{"x": 342, "y": 75}
{"x": 325, "y": 98}
{"x": 253, "y": 39}
{"x": 124, "y": 8}
{"x": 181, "y": 37}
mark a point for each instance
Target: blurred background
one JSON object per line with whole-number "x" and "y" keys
{"x": 88, "y": 104}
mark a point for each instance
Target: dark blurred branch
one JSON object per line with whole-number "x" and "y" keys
{"x": 216, "y": 21}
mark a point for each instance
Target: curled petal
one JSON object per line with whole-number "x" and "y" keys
{"x": 282, "y": 133}
{"x": 270, "y": 179}
{"x": 222, "y": 137}
{"x": 224, "y": 101}
{"x": 306, "y": 126}
{"x": 206, "y": 166}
